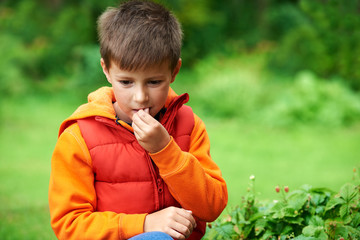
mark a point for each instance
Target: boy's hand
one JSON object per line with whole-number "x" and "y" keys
{"x": 177, "y": 222}
{"x": 151, "y": 135}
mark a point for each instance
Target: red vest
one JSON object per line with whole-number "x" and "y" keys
{"x": 126, "y": 179}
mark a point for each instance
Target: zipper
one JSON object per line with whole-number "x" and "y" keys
{"x": 160, "y": 188}
{"x": 158, "y": 184}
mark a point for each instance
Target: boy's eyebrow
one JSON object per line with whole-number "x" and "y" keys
{"x": 121, "y": 76}
{"x": 155, "y": 77}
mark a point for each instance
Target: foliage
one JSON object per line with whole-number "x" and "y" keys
{"x": 313, "y": 100}
{"x": 50, "y": 44}
{"x": 41, "y": 40}
{"x": 14, "y": 55}
{"x": 306, "y": 213}
{"x": 240, "y": 88}
{"x": 324, "y": 39}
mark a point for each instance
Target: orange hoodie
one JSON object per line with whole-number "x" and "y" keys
{"x": 192, "y": 176}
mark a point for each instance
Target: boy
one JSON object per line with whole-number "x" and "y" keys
{"x": 134, "y": 161}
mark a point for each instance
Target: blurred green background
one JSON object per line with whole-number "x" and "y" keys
{"x": 276, "y": 82}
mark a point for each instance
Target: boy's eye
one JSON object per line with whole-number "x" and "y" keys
{"x": 154, "y": 82}
{"x": 125, "y": 82}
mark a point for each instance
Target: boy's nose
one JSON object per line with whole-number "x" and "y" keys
{"x": 141, "y": 95}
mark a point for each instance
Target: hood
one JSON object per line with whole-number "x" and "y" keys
{"x": 100, "y": 103}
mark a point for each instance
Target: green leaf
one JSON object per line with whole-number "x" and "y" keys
{"x": 353, "y": 232}
{"x": 348, "y": 192}
{"x": 314, "y": 231}
{"x": 333, "y": 202}
{"x": 342, "y": 231}
{"x": 306, "y": 187}
{"x": 226, "y": 230}
{"x": 211, "y": 234}
{"x": 356, "y": 220}
{"x": 277, "y": 207}
{"x": 302, "y": 237}
{"x": 256, "y": 216}
{"x": 297, "y": 220}
{"x": 260, "y": 226}
{"x": 289, "y": 212}
{"x": 309, "y": 231}
{"x": 267, "y": 234}
{"x": 247, "y": 230}
{"x": 297, "y": 201}
{"x": 321, "y": 235}
{"x": 317, "y": 198}
{"x": 344, "y": 210}
{"x": 286, "y": 230}
{"x": 279, "y": 214}
{"x": 316, "y": 221}
{"x": 320, "y": 209}
{"x": 326, "y": 191}
{"x": 347, "y": 219}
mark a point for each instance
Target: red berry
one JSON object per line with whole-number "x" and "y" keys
{"x": 277, "y": 189}
{"x": 286, "y": 188}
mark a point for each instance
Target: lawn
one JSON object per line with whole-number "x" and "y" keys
{"x": 293, "y": 157}
{"x": 321, "y": 157}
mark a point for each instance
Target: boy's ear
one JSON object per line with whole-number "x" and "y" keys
{"x": 176, "y": 70}
{"x": 105, "y": 70}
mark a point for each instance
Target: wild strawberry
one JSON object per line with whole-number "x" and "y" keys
{"x": 277, "y": 189}
{"x": 286, "y": 188}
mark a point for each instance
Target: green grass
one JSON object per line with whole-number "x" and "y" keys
{"x": 317, "y": 156}
{"x": 28, "y": 135}
{"x": 293, "y": 157}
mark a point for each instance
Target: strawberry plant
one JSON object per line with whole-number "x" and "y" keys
{"x": 304, "y": 214}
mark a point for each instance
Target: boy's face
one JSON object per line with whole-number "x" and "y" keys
{"x": 141, "y": 89}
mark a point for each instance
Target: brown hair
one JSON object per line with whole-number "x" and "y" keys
{"x": 139, "y": 34}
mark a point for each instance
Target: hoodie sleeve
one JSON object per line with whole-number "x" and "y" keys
{"x": 193, "y": 177}
{"x": 72, "y": 197}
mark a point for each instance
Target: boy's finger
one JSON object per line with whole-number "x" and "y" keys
{"x": 146, "y": 117}
{"x": 137, "y": 131}
{"x": 188, "y": 215}
{"x": 139, "y": 120}
{"x": 181, "y": 229}
{"x": 175, "y": 234}
{"x": 139, "y": 125}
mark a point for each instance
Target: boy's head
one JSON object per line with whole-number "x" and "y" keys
{"x": 138, "y": 35}
{"x": 140, "y": 46}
